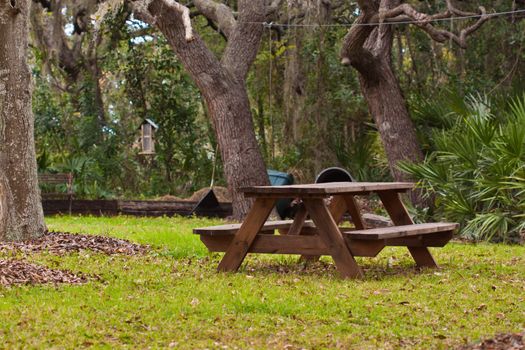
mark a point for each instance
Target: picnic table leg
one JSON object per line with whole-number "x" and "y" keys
{"x": 332, "y": 238}
{"x": 295, "y": 229}
{"x": 337, "y": 208}
{"x": 353, "y": 209}
{"x": 339, "y": 205}
{"x": 399, "y": 215}
{"x": 298, "y": 221}
{"x": 244, "y": 238}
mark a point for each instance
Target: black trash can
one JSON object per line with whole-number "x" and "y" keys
{"x": 333, "y": 174}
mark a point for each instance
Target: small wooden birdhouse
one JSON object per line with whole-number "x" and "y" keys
{"x": 147, "y": 136}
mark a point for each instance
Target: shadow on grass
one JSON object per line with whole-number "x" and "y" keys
{"x": 380, "y": 268}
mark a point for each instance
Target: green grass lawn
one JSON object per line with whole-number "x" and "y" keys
{"x": 173, "y": 297}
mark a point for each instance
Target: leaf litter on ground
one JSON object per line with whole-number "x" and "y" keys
{"x": 16, "y": 271}
{"x": 61, "y": 243}
{"x": 503, "y": 341}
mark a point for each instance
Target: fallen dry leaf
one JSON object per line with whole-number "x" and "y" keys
{"x": 61, "y": 243}
{"x": 509, "y": 341}
{"x": 14, "y": 271}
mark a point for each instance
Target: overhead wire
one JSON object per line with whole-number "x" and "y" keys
{"x": 494, "y": 14}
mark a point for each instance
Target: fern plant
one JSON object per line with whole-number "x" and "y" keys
{"x": 476, "y": 172}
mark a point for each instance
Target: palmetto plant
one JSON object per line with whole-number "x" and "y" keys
{"x": 477, "y": 171}
{"x": 87, "y": 177}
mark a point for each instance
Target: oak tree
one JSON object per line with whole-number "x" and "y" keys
{"x": 221, "y": 81}
{"x": 21, "y": 215}
{"x": 367, "y": 48}
{"x": 64, "y": 37}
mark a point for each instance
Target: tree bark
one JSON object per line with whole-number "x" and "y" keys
{"x": 387, "y": 104}
{"x": 368, "y": 50}
{"x": 21, "y": 215}
{"x": 261, "y": 129}
{"x": 222, "y": 85}
{"x": 294, "y": 88}
{"x": 243, "y": 163}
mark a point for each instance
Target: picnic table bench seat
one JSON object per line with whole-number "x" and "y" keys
{"x": 368, "y": 242}
{"x": 231, "y": 229}
{"x": 401, "y": 231}
{"x": 281, "y": 225}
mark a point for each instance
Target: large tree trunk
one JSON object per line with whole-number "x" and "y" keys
{"x": 368, "y": 50}
{"x": 242, "y": 159}
{"x": 21, "y": 215}
{"x": 389, "y": 111}
{"x": 294, "y": 88}
{"x": 387, "y": 105}
{"x": 222, "y": 85}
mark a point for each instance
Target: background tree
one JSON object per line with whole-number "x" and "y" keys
{"x": 221, "y": 82}
{"x": 368, "y": 49}
{"x": 313, "y": 113}
{"x": 69, "y": 50}
{"x": 21, "y": 215}
{"x": 160, "y": 90}
{"x": 139, "y": 78}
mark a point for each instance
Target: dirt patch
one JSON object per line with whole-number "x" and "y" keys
{"x": 14, "y": 271}
{"x": 509, "y": 341}
{"x": 61, "y": 243}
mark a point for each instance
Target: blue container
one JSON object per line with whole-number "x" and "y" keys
{"x": 278, "y": 178}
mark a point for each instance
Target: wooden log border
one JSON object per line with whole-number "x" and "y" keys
{"x": 130, "y": 207}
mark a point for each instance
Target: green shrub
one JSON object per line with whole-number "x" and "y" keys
{"x": 476, "y": 172}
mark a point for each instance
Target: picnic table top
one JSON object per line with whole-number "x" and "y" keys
{"x": 325, "y": 189}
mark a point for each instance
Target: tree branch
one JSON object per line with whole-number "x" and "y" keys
{"x": 202, "y": 65}
{"x": 272, "y": 8}
{"x": 243, "y": 45}
{"x": 424, "y": 21}
{"x": 140, "y": 7}
{"x": 213, "y": 26}
{"x": 457, "y": 12}
{"x": 51, "y": 39}
{"x": 219, "y": 13}
{"x": 353, "y": 51}
{"x": 185, "y": 14}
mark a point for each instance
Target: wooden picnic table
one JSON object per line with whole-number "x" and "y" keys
{"x": 325, "y": 204}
